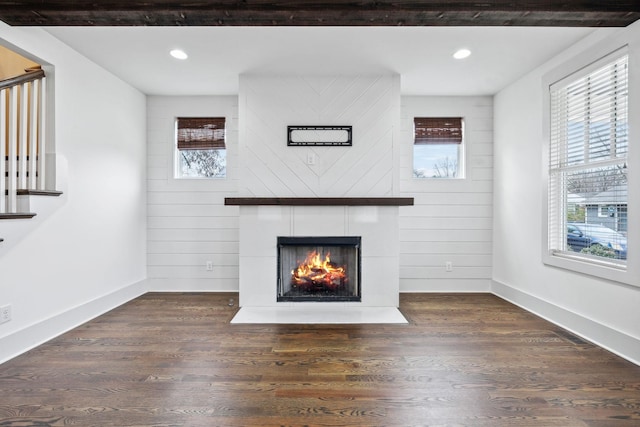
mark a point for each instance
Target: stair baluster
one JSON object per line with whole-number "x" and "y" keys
{"x": 22, "y": 140}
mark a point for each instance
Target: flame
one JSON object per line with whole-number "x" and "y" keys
{"x": 317, "y": 274}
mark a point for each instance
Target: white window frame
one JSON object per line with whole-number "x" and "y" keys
{"x": 176, "y": 153}
{"x": 604, "y": 210}
{"x": 460, "y": 151}
{"x": 579, "y": 67}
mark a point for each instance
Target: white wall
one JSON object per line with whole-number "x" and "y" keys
{"x": 452, "y": 218}
{"x": 188, "y": 223}
{"x": 268, "y": 104}
{"x": 270, "y": 168}
{"x": 603, "y": 311}
{"x": 451, "y": 221}
{"x": 88, "y": 254}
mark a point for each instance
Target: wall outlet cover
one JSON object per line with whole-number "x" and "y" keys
{"x": 5, "y": 313}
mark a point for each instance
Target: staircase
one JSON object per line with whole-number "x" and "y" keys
{"x": 23, "y": 144}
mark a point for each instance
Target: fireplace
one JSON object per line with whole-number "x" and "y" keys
{"x": 373, "y": 273}
{"x": 319, "y": 269}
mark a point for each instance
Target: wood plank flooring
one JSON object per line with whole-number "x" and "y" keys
{"x": 463, "y": 360}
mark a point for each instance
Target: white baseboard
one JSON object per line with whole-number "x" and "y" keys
{"x": 449, "y": 285}
{"x": 32, "y": 336}
{"x": 191, "y": 285}
{"x": 608, "y": 338}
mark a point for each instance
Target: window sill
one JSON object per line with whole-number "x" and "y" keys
{"x": 611, "y": 271}
{"x": 199, "y": 178}
{"x": 416, "y": 178}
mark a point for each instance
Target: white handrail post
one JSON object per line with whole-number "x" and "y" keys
{"x": 23, "y": 136}
{"x": 33, "y": 134}
{"x": 42, "y": 137}
{"x": 11, "y": 152}
{"x": 3, "y": 154}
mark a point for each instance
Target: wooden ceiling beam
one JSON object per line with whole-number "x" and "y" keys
{"x": 568, "y": 13}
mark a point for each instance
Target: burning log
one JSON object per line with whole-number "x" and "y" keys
{"x": 316, "y": 275}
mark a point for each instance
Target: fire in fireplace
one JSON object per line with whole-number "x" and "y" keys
{"x": 319, "y": 268}
{"x": 314, "y": 274}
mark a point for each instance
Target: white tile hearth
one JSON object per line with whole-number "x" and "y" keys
{"x": 314, "y": 314}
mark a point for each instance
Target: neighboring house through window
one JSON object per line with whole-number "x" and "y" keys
{"x": 438, "y": 147}
{"x": 200, "y": 147}
{"x": 587, "y": 195}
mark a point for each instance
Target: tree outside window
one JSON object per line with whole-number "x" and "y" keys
{"x": 437, "y": 148}
{"x": 201, "y": 151}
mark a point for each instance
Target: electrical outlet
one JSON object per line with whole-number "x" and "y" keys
{"x": 448, "y": 266}
{"x": 5, "y": 313}
{"x": 209, "y": 265}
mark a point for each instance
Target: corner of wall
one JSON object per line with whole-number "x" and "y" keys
{"x": 42, "y": 331}
{"x": 617, "y": 342}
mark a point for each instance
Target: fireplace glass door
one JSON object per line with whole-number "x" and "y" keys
{"x": 319, "y": 269}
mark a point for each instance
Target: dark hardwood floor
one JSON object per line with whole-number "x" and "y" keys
{"x": 464, "y": 360}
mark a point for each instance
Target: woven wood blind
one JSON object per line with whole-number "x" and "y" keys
{"x": 437, "y": 130}
{"x": 201, "y": 133}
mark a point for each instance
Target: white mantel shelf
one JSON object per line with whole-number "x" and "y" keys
{"x": 318, "y": 201}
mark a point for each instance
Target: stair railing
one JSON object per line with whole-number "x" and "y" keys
{"x": 22, "y": 137}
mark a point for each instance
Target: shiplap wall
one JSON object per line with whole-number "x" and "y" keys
{"x": 187, "y": 222}
{"x": 452, "y": 218}
{"x": 369, "y": 103}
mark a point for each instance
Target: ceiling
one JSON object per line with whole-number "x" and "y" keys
{"x": 412, "y": 38}
{"x": 422, "y": 56}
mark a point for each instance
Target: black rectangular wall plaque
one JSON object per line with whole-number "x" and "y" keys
{"x": 303, "y": 136}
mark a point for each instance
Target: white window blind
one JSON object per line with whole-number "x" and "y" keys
{"x": 588, "y": 163}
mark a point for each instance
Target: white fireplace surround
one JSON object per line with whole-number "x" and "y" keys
{"x": 380, "y": 284}
{"x": 292, "y": 180}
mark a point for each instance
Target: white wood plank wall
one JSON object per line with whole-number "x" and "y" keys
{"x": 268, "y": 104}
{"x": 452, "y": 219}
{"x": 187, "y": 221}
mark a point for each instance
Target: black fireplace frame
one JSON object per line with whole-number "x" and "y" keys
{"x": 346, "y": 241}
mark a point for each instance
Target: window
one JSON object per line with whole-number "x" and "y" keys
{"x": 200, "y": 147}
{"x": 438, "y": 147}
{"x": 606, "y": 211}
{"x": 587, "y": 195}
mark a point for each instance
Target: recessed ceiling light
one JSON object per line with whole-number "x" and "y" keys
{"x": 178, "y": 54}
{"x": 462, "y": 53}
